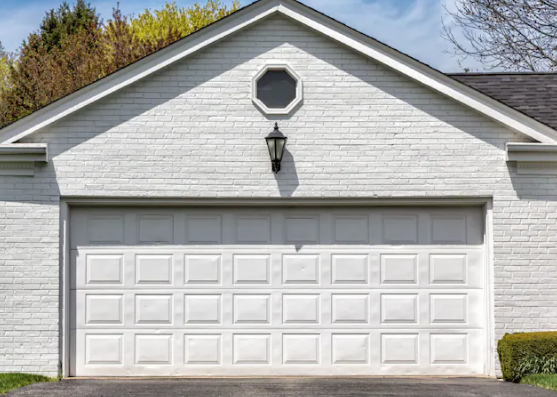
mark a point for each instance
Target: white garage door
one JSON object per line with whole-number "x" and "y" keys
{"x": 388, "y": 291}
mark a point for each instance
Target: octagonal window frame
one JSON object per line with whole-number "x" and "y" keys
{"x": 277, "y": 111}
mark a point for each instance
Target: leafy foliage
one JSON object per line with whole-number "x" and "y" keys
{"x": 5, "y": 60}
{"x": 525, "y": 353}
{"x": 41, "y": 76}
{"x": 514, "y": 35}
{"x": 538, "y": 365}
{"x": 173, "y": 22}
{"x": 73, "y": 49}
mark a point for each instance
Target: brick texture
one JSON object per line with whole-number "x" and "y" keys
{"x": 192, "y": 131}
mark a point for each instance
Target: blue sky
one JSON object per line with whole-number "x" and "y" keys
{"x": 411, "y": 26}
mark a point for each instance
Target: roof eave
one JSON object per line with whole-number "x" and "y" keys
{"x": 20, "y": 159}
{"x": 533, "y": 158}
{"x": 311, "y": 18}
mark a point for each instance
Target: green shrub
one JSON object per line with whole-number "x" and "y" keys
{"x": 538, "y": 365}
{"x": 526, "y": 353}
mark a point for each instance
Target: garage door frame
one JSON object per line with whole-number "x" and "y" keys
{"x": 67, "y": 203}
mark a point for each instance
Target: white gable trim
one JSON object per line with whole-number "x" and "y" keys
{"x": 415, "y": 70}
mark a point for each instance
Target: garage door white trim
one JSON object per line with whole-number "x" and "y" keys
{"x": 314, "y": 203}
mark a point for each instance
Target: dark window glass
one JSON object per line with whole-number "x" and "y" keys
{"x": 276, "y": 89}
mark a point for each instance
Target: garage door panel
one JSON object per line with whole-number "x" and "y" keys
{"x": 294, "y": 309}
{"x": 154, "y": 269}
{"x": 395, "y": 226}
{"x": 254, "y": 229}
{"x": 351, "y": 229}
{"x": 247, "y": 267}
{"x": 346, "y": 352}
{"x": 384, "y": 291}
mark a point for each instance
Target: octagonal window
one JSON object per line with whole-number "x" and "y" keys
{"x": 277, "y": 89}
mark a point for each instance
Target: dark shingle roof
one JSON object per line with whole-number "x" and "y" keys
{"x": 534, "y": 94}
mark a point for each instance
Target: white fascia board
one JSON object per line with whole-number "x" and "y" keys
{"x": 137, "y": 71}
{"x": 420, "y": 72}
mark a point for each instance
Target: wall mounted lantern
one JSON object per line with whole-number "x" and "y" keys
{"x": 276, "y": 142}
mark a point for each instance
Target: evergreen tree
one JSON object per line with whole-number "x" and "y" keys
{"x": 65, "y": 21}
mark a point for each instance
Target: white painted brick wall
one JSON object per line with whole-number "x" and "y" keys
{"x": 192, "y": 131}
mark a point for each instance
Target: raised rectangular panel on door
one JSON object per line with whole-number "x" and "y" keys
{"x": 350, "y": 308}
{"x": 203, "y": 269}
{"x": 252, "y": 269}
{"x": 154, "y": 309}
{"x": 154, "y": 269}
{"x": 252, "y": 309}
{"x": 350, "y": 349}
{"x": 350, "y": 269}
{"x": 155, "y": 229}
{"x": 102, "y": 269}
{"x": 203, "y": 349}
{"x": 253, "y": 229}
{"x": 252, "y": 349}
{"x": 277, "y": 291}
{"x": 351, "y": 229}
{"x": 300, "y": 229}
{"x": 204, "y": 229}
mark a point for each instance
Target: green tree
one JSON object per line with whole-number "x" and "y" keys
{"x": 45, "y": 69}
{"x": 56, "y": 61}
{"x": 173, "y": 22}
{"x": 4, "y": 67}
{"x": 60, "y": 23}
{"x": 6, "y": 60}
{"x": 43, "y": 75}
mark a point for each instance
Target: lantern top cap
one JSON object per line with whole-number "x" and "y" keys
{"x": 276, "y": 134}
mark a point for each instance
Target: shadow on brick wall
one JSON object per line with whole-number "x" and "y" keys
{"x": 534, "y": 187}
{"x": 287, "y": 178}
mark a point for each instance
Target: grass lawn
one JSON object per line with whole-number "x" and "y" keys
{"x": 547, "y": 381}
{"x": 12, "y": 381}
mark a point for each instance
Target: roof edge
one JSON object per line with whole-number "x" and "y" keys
{"x": 500, "y": 73}
{"x": 314, "y": 20}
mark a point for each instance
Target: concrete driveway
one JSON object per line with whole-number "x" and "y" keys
{"x": 341, "y": 387}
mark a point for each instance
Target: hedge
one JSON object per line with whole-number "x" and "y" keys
{"x": 517, "y": 350}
